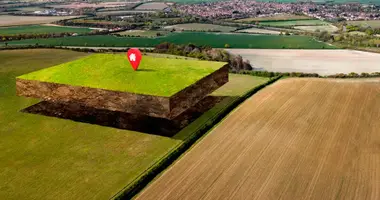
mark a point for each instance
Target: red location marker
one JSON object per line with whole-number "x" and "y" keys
{"x": 134, "y": 57}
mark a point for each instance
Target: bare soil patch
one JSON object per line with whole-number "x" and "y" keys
{"x": 323, "y": 62}
{"x": 10, "y": 20}
{"x": 296, "y": 139}
{"x": 152, "y": 6}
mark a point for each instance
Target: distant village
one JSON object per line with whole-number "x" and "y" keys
{"x": 237, "y": 9}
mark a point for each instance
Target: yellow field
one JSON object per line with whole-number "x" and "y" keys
{"x": 296, "y": 139}
{"x": 10, "y": 20}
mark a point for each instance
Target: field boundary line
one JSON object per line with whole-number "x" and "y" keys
{"x": 164, "y": 162}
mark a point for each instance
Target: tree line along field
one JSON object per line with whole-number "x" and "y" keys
{"x": 216, "y": 40}
{"x": 295, "y": 139}
{"x": 49, "y": 158}
{"x": 39, "y": 29}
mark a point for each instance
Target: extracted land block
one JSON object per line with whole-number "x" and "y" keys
{"x": 161, "y": 87}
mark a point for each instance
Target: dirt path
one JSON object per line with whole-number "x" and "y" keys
{"x": 296, "y": 139}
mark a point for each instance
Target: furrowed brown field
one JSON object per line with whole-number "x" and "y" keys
{"x": 296, "y": 139}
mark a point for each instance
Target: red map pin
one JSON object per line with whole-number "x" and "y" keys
{"x": 134, "y": 57}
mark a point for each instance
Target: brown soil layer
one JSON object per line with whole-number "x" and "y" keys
{"x": 296, "y": 139}
{"x": 122, "y": 120}
{"x": 154, "y": 106}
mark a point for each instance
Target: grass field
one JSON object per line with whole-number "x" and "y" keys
{"x": 152, "y": 6}
{"x": 295, "y": 23}
{"x": 143, "y": 33}
{"x": 114, "y": 72}
{"x": 296, "y": 139}
{"x": 259, "y": 31}
{"x": 217, "y": 40}
{"x": 9, "y": 20}
{"x": 50, "y": 158}
{"x": 201, "y": 27}
{"x": 38, "y": 29}
{"x": 323, "y": 62}
{"x": 328, "y": 28}
{"x": 369, "y": 23}
{"x": 279, "y": 17}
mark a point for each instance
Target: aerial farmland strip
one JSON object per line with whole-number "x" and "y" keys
{"x": 296, "y": 139}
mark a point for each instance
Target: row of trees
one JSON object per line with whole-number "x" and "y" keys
{"x": 235, "y": 62}
{"x": 5, "y": 38}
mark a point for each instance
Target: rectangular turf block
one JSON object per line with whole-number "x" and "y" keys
{"x": 161, "y": 87}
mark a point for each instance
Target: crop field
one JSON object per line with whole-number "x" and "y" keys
{"x": 10, "y": 20}
{"x": 142, "y": 33}
{"x": 123, "y": 12}
{"x": 50, "y": 158}
{"x": 368, "y": 23}
{"x": 295, "y": 139}
{"x": 328, "y": 28}
{"x": 295, "y": 23}
{"x": 37, "y": 29}
{"x": 79, "y": 5}
{"x": 217, "y": 40}
{"x": 201, "y": 27}
{"x": 152, "y": 6}
{"x": 259, "y": 31}
{"x": 280, "y": 17}
{"x": 323, "y": 62}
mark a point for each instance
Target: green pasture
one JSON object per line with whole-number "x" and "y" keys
{"x": 155, "y": 76}
{"x": 216, "y": 40}
{"x": 39, "y": 29}
{"x": 49, "y": 158}
{"x": 295, "y": 23}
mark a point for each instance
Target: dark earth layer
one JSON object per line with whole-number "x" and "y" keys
{"x": 121, "y": 120}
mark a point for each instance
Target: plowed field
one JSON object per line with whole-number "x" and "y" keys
{"x": 296, "y": 139}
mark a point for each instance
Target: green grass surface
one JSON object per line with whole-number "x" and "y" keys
{"x": 216, "y": 40}
{"x": 294, "y": 23}
{"x": 49, "y": 158}
{"x": 38, "y": 29}
{"x": 155, "y": 76}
